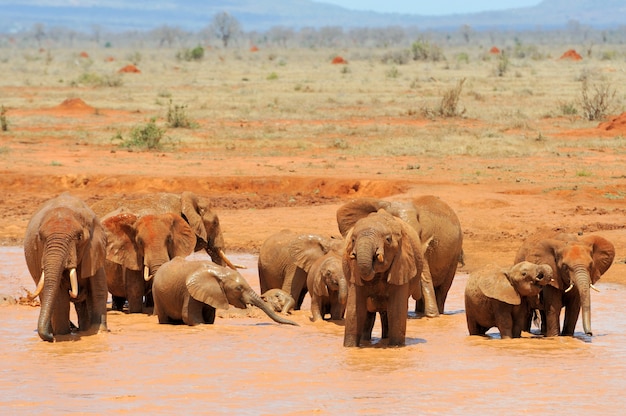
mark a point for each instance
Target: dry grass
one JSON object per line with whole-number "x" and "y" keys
{"x": 312, "y": 104}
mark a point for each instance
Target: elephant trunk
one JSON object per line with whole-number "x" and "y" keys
{"x": 581, "y": 277}
{"x": 365, "y": 257}
{"x": 343, "y": 291}
{"x": 256, "y": 300}
{"x": 55, "y": 254}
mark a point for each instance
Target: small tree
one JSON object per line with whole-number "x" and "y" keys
{"x": 225, "y": 27}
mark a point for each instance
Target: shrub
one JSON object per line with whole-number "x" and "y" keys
{"x": 424, "y": 51}
{"x": 195, "y": 54}
{"x": 145, "y": 137}
{"x": 596, "y": 105}
{"x": 449, "y": 103}
{"x": 177, "y": 117}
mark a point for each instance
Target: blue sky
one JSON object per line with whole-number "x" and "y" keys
{"x": 431, "y": 7}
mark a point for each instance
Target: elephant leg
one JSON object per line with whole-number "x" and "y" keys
{"x": 61, "y": 315}
{"x": 135, "y": 287}
{"x": 572, "y": 311}
{"x": 316, "y": 308}
{"x": 355, "y": 316}
{"x": 192, "y": 311}
{"x": 298, "y": 287}
{"x": 97, "y": 301}
{"x": 441, "y": 291}
{"x": 397, "y": 308}
{"x": 384, "y": 325}
{"x": 117, "y": 303}
{"x": 473, "y": 327}
{"x": 553, "y": 304}
{"x": 208, "y": 314}
{"x": 368, "y": 326}
{"x": 428, "y": 293}
{"x": 336, "y": 309}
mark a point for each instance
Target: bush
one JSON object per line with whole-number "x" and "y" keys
{"x": 4, "y": 125}
{"x": 177, "y": 117}
{"x": 144, "y": 137}
{"x": 195, "y": 54}
{"x": 424, "y": 51}
{"x": 596, "y": 105}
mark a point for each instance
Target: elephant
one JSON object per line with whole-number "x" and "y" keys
{"x": 194, "y": 209}
{"x": 284, "y": 256}
{"x": 189, "y": 291}
{"x": 577, "y": 262}
{"x": 136, "y": 247}
{"x": 503, "y": 297}
{"x": 440, "y": 234}
{"x": 327, "y": 286}
{"x": 383, "y": 261}
{"x": 279, "y": 300}
{"x": 65, "y": 249}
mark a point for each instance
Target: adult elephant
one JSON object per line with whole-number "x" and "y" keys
{"x": 578, "y": 263}
{"x": 65, "y": 248}
{"x": 440, "y": 234}
{"x": 190, "y": 292}
{"x": 194, "y": 209}
{"x": 285, "y": 257}
{"x": 136, "y": 247}
{"x": 383, "y": 261}
{"x": 503, "y": 297}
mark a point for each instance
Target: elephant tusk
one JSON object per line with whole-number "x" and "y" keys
{"x": 39, "y": 286}
{"x": 594, "y": 288}
{"x": 73, "y": 283}
{"x": 228, "y": 262}
{"x": 571, "y": 285}
{"x": 146, "y": 274}
{"x": 380, "y": 258}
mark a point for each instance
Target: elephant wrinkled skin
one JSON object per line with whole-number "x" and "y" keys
{"x": 286, "y": 259}
{"x": 194, "y": 209}
{"x": 383, "y": 262}
{"x": 279, "y": 300}
{"x": 503, "y": 297}
{"x": 440, "y": 234}
{"x": 190, "y": 292}
{"x": 136, "y": 247}
{"x": 64, "y": 247}
{"x": 577, "y": 263}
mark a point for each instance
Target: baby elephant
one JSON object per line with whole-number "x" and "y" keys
{"x": 280, "y": 300}
{"x": 190, "y": 292}
{"x": 504, "y": 298}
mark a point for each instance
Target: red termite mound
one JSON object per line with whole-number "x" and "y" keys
{"x": 339, "y": 60}
{"x": 494, "y": 50}
{"x": 617, "y": 124}
{"x": 571, "y": 55}
{"x": 130, "y": 68}
{"x": 74, "y": 105}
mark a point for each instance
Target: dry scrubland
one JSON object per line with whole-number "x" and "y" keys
{"x": 288, "y": 131}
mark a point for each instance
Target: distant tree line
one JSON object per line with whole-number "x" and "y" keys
{"x": 225, "y": 31}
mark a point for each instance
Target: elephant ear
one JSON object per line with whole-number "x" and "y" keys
{"x": 183, "y": 237}
{"x": 545, "y": 251}
{"x": 306, "y": 249}
{"x": 349, "y": 213}
{"x": 204, "y": 286}
{"x": 95, "y": 250}
{"x": 193, "y": 210}
{"x": 316, "y": 278}
{"x": 120, "y": 236}
{"x": 497, "y": 286}
{"x": 408, "y": 261}
{"x": 603, "y": 253}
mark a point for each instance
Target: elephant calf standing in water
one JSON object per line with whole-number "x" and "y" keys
{"x": 190, "y": 292}
{"x": 504, "y": 297}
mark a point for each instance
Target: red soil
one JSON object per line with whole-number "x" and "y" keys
{"x": 130, "y": 68}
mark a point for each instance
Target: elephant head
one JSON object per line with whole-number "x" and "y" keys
{"x": 146, "y": 242}
{"x": 64, "y": 241}
{"x": 279, "y": 300}
{"x": 382, "y": 244}
{"x": 524, "y": 279}
{"x": 207, "y": 283}
{"x": 320, "y": 258}
{"x": 578, "y": 263}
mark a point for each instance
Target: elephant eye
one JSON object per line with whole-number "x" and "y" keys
{"x": 388, "y": 239}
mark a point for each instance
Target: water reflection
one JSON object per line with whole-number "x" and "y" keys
{"x": 246, "y": 364}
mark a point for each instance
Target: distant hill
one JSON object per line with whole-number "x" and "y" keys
{"x": 260, "y": 15}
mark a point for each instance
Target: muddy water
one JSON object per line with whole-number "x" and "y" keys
{"x": 247, "y": 365}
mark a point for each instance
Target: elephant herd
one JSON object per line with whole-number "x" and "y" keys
{"x": 387, "y": 253}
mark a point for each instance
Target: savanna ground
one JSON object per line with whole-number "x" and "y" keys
{"x": 280, "y": 138}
